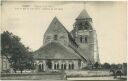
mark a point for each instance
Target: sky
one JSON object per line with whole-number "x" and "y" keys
{"x": 29, "y": 20}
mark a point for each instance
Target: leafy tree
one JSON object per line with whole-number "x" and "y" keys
{"x": 17, "y": 54}
{"x": 96, "y": 65}
{"x": 114, "y": 66}
{"x": 106, "y": 66}
{"x": 124, "y": 68}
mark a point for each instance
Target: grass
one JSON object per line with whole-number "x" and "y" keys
{"x": 40, "y": 76}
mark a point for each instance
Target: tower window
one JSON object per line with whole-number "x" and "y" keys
{"x": 86, "y": 25}
{"x": 86, "y": 40}
{"x": 80, "y": 27}
{"x": 55, "y": 37}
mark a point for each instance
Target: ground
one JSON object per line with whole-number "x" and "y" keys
{"x": 98, "y": 78}
{"x": 41, "y": 76}
{"x": 67, "y": 75}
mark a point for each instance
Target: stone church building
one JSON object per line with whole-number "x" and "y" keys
{"x": 63, "y": 50}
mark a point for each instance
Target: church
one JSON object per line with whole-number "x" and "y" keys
{"x": 64, "y": 50}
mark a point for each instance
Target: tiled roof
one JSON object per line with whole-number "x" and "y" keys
{"x": 55, "y": 50}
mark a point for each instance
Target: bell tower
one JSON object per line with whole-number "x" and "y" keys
{"x": 82, "y": 27}
{"x": 83, "y": 34}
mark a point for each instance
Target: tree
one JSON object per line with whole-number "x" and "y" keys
{"x": 96, "y": 65}
{"x": 106, "y": 66}
{"x": 17, "y": 54}
{"x": 114, "y": 66}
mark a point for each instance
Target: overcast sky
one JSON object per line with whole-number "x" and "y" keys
{"x": 109, "y": 21}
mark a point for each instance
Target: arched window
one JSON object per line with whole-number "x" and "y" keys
{"x": 80, "y": 26}
{"x": 69, "y": 66}
{"x": 72, "y": 66}
{"x": 86, "y": 25}
{"x": 57, "y": 66}
{"x": 64, "y": 66}
{"x": 39, "y": 67}
{"x": 49, "y": 63}
{"x": 42, "y": 67}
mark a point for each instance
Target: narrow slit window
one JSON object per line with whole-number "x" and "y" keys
{"x": 55, "y": 37}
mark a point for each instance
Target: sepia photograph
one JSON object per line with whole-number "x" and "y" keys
{"x": 63, "y": 40}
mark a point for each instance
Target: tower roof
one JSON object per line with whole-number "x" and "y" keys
{"x": 83, "y": 15}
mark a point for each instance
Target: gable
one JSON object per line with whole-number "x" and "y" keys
{"x": 55, "y": 27}
{"x": 56, "y": 31}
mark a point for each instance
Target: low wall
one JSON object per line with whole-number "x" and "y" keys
{"x": 87, "y": 73}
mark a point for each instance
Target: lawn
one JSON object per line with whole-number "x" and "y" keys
{"x": 40, "y": 76}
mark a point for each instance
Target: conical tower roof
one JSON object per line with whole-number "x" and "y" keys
{"x": 83, "y": 15}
